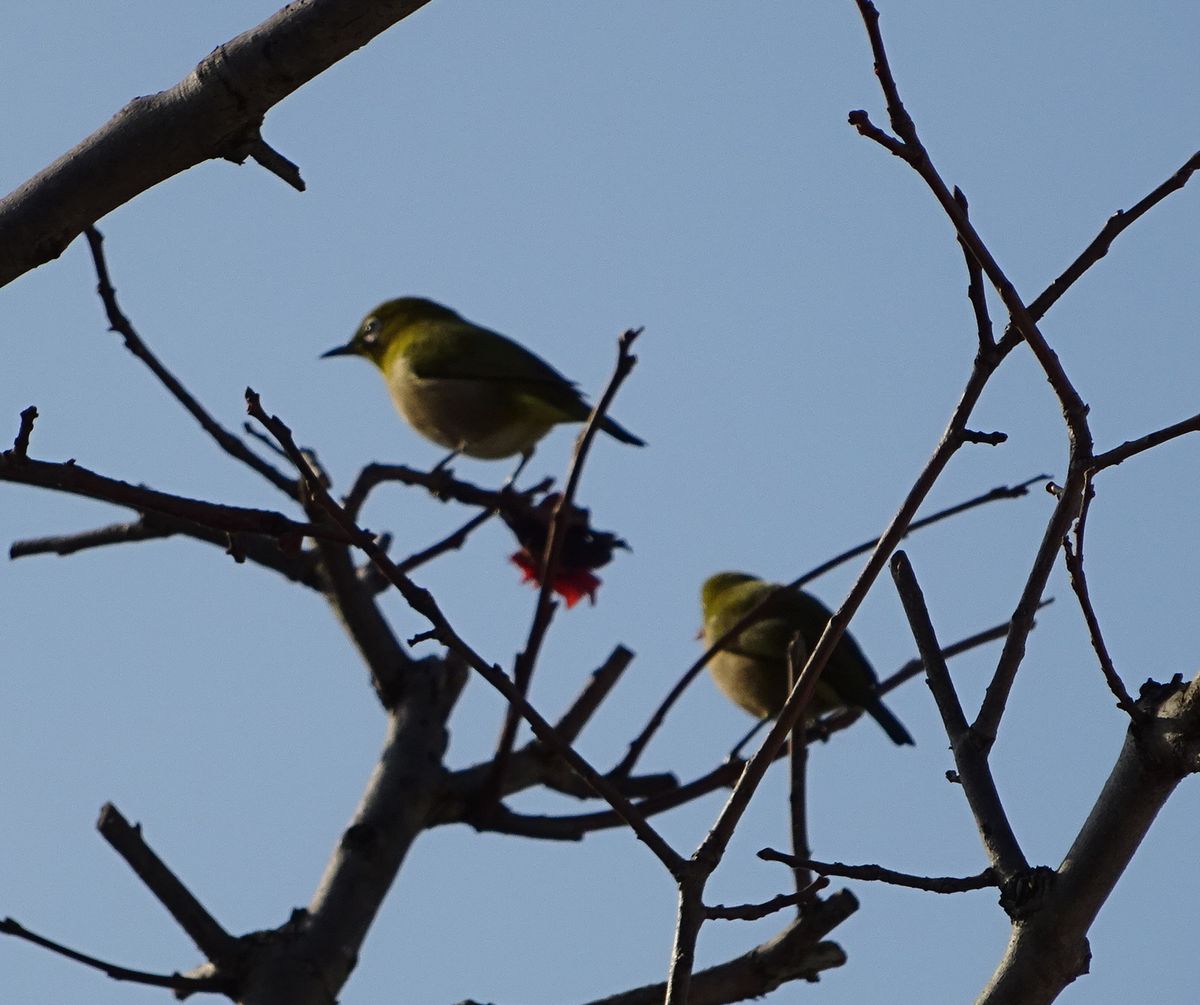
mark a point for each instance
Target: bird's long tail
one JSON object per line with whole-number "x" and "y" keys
{"x": 619, "y": 432}
{"x": 891, "y": 725}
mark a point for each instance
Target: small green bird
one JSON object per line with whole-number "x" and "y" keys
{"x": 464, "y": 387}
{"x": 752, "y": 668}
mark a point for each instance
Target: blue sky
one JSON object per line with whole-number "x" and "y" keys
{"x": 560, "y": 172}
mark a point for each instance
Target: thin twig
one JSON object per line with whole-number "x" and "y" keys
{"x": 299, "y": 567}
{"x": 1108, "y": 233}
{"x": 1132, "y": 447}
{"x": 597, "y": 688}
{"x": 753, "y": 912}
{"x": 20, "y": 448}
{"x": 440, "y": 484}
{"x": 877, "y": 873}
{"x": 177, "y": 982}
{"x": 69, "y": 544}
{"x": 975, "y": 291}
{"x": 1075, "y": 572}
{"x": 120, "y": 324}
{"x": 268, "y": 157}
{"x": 797, "y": 749}
{"x": 551, "y": 557}
{"x": 970, "y": 756}
{"x": 451, "y": 542}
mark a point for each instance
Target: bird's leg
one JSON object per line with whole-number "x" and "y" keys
{"x": 441, "y": 465}
{"x": 440, "y": 475}
{"x": 512, "y": 479}
{"x": 736, "y": 753}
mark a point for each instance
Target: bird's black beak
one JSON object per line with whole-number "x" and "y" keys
{"x": 343, "y": 350}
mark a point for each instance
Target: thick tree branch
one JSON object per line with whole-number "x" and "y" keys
{"x": 1048, "y": 948}
{"x": 214, "y": 112}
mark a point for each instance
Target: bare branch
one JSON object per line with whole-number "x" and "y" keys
{"x": 20, "y": 448}
{"x": 1049, "y": 948}
{"x": 71, "y": 477}
{"x": 797, "y": 753}
{"x": 877, "y": 873}
{"x": 267, "y": 157}
{"x": 210, "y": 938}
{"x": 1075, "y": 571}
{"x": 754, "y": 912}
{"x": 264, "y": 551}
{"x": 975, "y": 291}
{"x": 970, "y": 756}
{"x": 1109, "y": 233}
{"x": 206, "y": 115}
{"x": 120, "y": 324}
{"x": 177, "y": 982}
{"x": 551, "y": 557}
{"x": 1132, "y": 447}
{"x": 796, "y": 953}
{"x": 597, "y": 688}
{"x": 459, "y": 798}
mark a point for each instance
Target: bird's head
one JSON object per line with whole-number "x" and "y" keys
{"x": 716, "y": 585}
{"x": 387, "y": 323}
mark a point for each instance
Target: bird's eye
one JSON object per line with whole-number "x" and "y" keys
{"x": 370, "y": 330}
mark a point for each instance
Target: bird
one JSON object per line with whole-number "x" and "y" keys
{"x": 751, "y": 669}
{"x": 465, "y": 387}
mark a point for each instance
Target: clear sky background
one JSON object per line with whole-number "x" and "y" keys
{"x": 559, "y": 172}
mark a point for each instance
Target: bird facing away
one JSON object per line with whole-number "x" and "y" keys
{"x": 751, "y": 669}
{"x": 464, "y": 387}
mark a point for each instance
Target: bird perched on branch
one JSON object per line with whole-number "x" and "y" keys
{"x": 751, "y": 669}
{"x": 464, "y": 387}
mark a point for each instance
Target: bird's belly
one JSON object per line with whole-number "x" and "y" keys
{"x": 480, "y": 418}
{"x": 760, "y": 687}
{"x": 750, "y": 683}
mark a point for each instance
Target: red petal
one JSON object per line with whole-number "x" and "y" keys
{"x": 570, "y": 584}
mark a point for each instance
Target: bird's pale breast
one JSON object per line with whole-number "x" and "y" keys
{"x": 482, "y": 418}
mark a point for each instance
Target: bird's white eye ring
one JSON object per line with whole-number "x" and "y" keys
{"x": 370, "y": 329}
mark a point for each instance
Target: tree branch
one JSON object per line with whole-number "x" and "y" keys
{"x": 210, "y": 938}
{"x": 122, "y": 326}
{"x": 878, "y": 874}
{"x": 71, "y": 477}
{"x": 177, "y": 982}
{"x": 214, "y": 112}
{"x": 551, "y": 557}
{"x": 1049, "y": 948}
{"x": 970, "y": 755}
